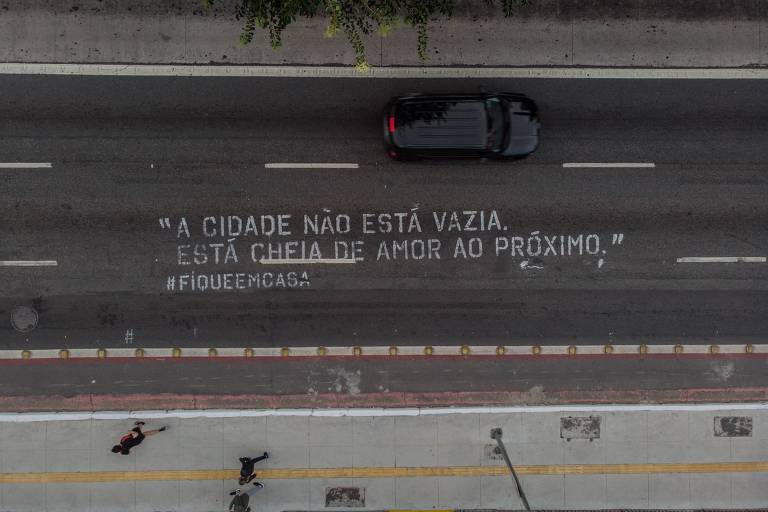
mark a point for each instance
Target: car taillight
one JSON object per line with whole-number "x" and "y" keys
{"x": 391, "y": 124}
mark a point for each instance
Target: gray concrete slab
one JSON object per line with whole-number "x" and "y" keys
{"x": 552, "y": 452}
{"x": 711, "y": 490}
{"x": 669, "y": 490}
{"x": 585, "y": 491}
{"x": 498, "y": 492}
{"x": 539, "y": 427}
{"x": 460, "y": 429}
{"x": 24, "y": 459}
{"x": 67, "y": 497}
{"x": 416, "y": 430}
{"x": 18, "y": 497}
{"x": 590, "y": 452}
{"x": 373, "y": 431}
{"x": 286, "y": 495}
{"x": 748, "y": 489}
{"x": 663, "y": 452}
{"x": 333, "y": 456}
{"x": 415, "y": 455}
{"x": 458, "y": 492}
{"x": 671, "y": 427}
{"x": 623, "y": 427}
{"x": 627, "y": 491}
{"x": 330, "y": 431}
{"x": 760, "y": 430}
{"x": 545, "y": 491}
{"x": 412, "y": 492}
{"x": 19, "y": 436}
{"x": 110, "y": 497}
{"x": 371, "y": 456}
{"x": 459, "y": 454}
{"x": 67, "y": 460}
{"x": 719, "y": 450}
{"x": 630, "y": 452}
{"x": 152, "y": 496}
{"x": 203, "y": 496}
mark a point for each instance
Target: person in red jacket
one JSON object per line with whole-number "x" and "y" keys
{"x": 134, "y": 438}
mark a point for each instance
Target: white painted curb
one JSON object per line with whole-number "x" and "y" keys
{"x": 336, "y": 413}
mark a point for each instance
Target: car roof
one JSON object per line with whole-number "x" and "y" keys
{"x": 441, "y": 122}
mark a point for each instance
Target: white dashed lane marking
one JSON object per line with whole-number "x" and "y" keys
{"x": 309, "y": 165}
{"x": 722, "y": 259}
{"x": 25, "y": 165}
{"x": 29, "y": 263}
{"x": 608, "y": 165}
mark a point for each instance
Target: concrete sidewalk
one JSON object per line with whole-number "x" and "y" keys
{"x": 567, "y": 458}
{"x": 639, "y": 33}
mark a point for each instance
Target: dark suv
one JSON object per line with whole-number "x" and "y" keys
{"x": 499, "y": 125}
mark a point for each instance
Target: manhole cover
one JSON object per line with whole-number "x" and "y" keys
{"x": 24, "y": 318}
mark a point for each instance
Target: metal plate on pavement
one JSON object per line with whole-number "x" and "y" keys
{"x": 580, "y": 427}
{"x": 733, "y": 426}
{"x": 344, "y": 497}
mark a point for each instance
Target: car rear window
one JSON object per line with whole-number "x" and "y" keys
{"x": 441, "y": 124}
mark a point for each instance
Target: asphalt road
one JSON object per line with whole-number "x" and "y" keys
{"x": 144, "y": 169}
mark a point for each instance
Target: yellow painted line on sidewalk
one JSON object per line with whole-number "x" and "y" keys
{"x": 376, "y": 472}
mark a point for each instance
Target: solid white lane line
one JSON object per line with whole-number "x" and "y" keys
{"x": 609, "y": 164}
{"x": 17, "y": 68}
{"x": 722, "y": 259}
{"x": 307, "y": 165}
{"x": 29, "y": 263}
{"x": 25, "y": 165}
{"x": 295, "y": 261}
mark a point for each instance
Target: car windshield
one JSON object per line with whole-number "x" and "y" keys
{"x": 495, "y": 123}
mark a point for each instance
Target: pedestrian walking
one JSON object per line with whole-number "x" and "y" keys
{"x": 134, "y": 438}
{"x": 241, "y": 500}
{"x": 248, "y": 464}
